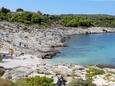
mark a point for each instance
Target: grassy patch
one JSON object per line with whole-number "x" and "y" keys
{"x": 35, "y": 81}
{"x": 92, "y": 72}
{"x": 80, "y": 82}
{"x": 107, "y": 76}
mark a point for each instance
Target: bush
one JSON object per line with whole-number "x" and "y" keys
{"x": 36, "y": 18}
{"x": 4, "y": 10}
{"x": 65, "y": 20}
{"x": 19, "y": 10}
{"x": 107, "y": 76}
{"x": 92, "y": 71}
{"x": 35, "y": 81}
{"x": 4, "y": 82}
{"x": 81, "y": 82}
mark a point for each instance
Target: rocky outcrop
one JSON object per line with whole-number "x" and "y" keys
{"x": 35, "y": 41}
{"x": 41, "y": 42}
{"x": 17, "y": 73}
{"x": 105, "y": 66}
{"x": 68, "y": 71}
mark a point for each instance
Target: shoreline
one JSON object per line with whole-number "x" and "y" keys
{"x": 68, "y": 71}
{"x": 43, "y": 43}
{"x": 34, "y": 47}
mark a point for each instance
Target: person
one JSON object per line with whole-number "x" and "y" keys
{"x": 61, "y": 81}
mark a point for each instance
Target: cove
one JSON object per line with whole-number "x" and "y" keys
{"x": 88, "y": 49}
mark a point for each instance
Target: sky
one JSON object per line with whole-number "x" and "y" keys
{"x": 62, "y": 6}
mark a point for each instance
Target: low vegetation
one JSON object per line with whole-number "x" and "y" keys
{"x": 35, "y": 81}
{"x": 92, "y": 72}
{"x": 110, "y": 76}
{"x": 80, "y": 82}
{"x": 107, "y": 76}
{"x": 70, "y": 20}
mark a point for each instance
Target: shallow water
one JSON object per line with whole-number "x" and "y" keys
{"x": 88, "y": 49}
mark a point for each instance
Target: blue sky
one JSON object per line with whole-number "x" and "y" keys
{"x": 63, "y": 6}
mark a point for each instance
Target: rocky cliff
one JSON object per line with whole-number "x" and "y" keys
{"x": 41, "y": 42}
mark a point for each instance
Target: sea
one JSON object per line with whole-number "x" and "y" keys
{"x": 88, "y": 49}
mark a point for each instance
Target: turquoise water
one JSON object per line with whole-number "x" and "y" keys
{"x": 88, "y": 49}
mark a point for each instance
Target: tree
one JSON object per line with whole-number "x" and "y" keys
{"x": 24, "y": 17}
{"x": 19, "y": 10}
{"x": 4, "y": 10}
{"x": 39, "y": 12}
{"x": 37, "y": 18}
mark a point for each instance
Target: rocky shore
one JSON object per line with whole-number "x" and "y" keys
{"x": 43, "y": 43}
{"x": 99, "y": 76}
{"x": 33, "y": 46}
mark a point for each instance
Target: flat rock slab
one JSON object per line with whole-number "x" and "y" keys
{"x": 26, "y": 60}
{"x": 17, "y": 73}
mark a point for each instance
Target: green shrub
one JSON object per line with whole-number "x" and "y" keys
{"x": 42, "y": 19}
{"x": 112, "y": 72}
{"x": 107, "y": 76}
{"x": 35, "y": 81}
{"x": 19, "y": 10}
{"x": 4, "y": 10}
{"x": 92, "y": 72}
{"x": 80, "y": 82}
{"x": 4, "y": 82}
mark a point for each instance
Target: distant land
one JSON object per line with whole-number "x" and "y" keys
{"x": 46, "y": 20}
